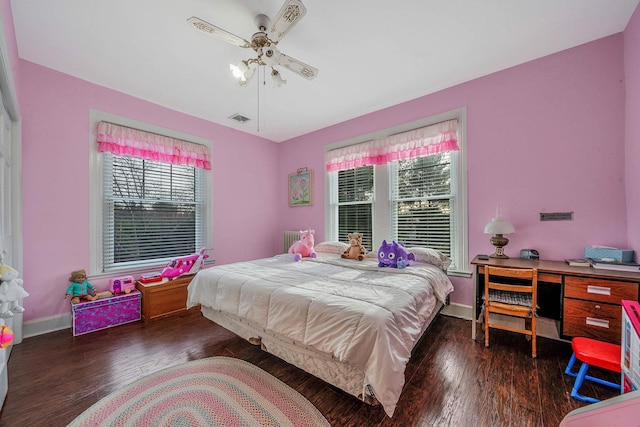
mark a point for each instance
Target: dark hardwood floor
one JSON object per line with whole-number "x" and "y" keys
{"x": 451, "y": 379}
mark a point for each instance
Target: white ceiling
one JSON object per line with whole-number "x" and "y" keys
{"x": 371, "y": 54}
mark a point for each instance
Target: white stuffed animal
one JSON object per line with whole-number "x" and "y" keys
{"x": 11, "y": 291}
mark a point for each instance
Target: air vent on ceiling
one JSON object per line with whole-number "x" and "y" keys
{"x": 239, "y": 118}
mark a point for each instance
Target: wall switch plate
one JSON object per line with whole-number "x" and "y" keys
{"x": 556, "y": 216}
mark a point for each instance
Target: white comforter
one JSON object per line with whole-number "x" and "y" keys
{"x": 360, "y": 314}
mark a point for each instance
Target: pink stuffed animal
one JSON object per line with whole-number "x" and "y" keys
{"x": 304, "y": 246}
{"x": 6, "y": 336}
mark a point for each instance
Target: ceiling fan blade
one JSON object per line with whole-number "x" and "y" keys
{"x": 298, "y": 67}
{"x": 291, "y": 12}
{"x": 217, "y": 32}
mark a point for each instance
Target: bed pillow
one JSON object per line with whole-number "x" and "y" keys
{"x": 331, "y": 247}
{"x": 431, "y": 256}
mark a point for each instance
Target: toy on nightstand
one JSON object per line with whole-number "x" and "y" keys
{"x": 11, "y": 291}
{"x": 80, "y": 288}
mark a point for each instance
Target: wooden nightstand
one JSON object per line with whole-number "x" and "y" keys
{"x": 165, "y": 298}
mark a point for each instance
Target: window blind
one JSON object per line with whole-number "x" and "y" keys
{"x": 152, "y": 210}
{"x": 422, "y": 202}
{"x": 355, "y": 204}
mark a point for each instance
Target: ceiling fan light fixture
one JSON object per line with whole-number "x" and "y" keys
{"x": 239, "y": 70}
{"x": 263, "y": 43}
{"x": 243, "y": 71}
{"x": 270, "y": 56}
{"x": 278, "y": 81}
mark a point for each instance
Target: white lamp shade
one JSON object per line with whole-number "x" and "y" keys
{"x": 278, "y": 81}
{"x": 499, "y": 226}
{"x": 238, "y": 70}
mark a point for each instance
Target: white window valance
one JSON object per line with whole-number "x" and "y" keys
{"x": 422, "y": 142}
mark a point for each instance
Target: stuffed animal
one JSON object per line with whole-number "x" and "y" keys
{"x": 303, "y": 247}
{"x": 6, "y": 336}
{"x": 394, "y": 255}
{"x": 11, "y": 291}
{"x": 355, "y": 249}
{"x": 80, "y": 288}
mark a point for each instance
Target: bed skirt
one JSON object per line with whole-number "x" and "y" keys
{"x": 319, "y": 364}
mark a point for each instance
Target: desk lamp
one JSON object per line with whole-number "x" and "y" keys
{"x": 499, "y": 227}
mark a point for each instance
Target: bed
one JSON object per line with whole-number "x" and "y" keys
{"x": 347, "y": 322}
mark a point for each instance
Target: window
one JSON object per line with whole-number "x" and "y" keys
{"x": 150, "y": 210}
{"x": 384, "y": 193}
{"x": 355, "y": 204}
{"x": 422, "y": 201}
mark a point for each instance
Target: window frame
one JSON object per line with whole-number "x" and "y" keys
{"x": 382, "y": 199}
{"x": 96, "y": 167}
{"x": 336, "y": 213}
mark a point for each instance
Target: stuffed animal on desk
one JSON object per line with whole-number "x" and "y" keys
{"x": 11, "y": 291}
{"x": 80, "y": 288}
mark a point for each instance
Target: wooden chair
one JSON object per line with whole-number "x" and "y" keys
{"x": 511, "y": 292}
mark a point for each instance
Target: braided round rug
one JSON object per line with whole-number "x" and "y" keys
{"x": 217, "y": 391}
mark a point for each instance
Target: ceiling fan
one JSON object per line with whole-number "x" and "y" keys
{"x": 264, "y": 44}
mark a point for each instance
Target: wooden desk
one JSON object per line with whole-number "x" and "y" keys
{"x": 585, "y": 301}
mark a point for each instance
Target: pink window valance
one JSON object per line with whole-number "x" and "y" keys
{"x": 124, "y": 141}
{"x": 422, "y": 142}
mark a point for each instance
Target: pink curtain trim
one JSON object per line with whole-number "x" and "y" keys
{"x": 121, "y": 140}
{"x": 174, "y": 159}
{"x": 422, "y": 142}
{"x": 428, "y": 150}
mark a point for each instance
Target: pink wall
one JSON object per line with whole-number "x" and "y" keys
{"x": 55, "y": 137}
{"x": 632, "y": 128}
{"x": 555, "y": 125}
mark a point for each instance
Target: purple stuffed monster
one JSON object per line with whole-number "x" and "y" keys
{"x": 394, "y": 255}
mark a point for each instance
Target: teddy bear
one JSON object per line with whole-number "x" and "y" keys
{"x": 80, "y": 288}
{"x": 355, "y": 249}
{"x": 11, "y": 291}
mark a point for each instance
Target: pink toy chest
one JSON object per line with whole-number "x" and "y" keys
{"x": 104, "y": 313}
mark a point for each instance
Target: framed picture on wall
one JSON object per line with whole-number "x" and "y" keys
{"x": 301, "y": 188}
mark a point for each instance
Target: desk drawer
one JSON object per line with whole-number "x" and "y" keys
{"x": 592, "y": 320}
{"x": 608, "y": 291}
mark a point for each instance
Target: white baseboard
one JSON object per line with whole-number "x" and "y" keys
{"x": 45, "y": 325}
{"x": 546, "y": 327}
{"x": 457, "y": 310}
